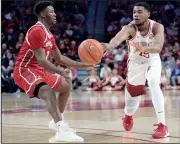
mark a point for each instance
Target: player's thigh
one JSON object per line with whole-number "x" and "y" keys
{"x": 28, "y": 79}
{"x": 136, "y": 73}
{"x": 57, "y": 83}
{"x": 154, "y": 72}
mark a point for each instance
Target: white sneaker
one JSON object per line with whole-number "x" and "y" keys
{"x": 64, "y": 135}
{"x": 53, "y": 126}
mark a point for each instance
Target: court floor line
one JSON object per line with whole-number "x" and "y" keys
{"x": 107, "y": 130}
{"x": 99, "y": 134}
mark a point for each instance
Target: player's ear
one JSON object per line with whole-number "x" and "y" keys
{"x": 43, "y": 14}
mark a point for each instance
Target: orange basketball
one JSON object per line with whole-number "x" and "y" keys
{"x": 90, "y": 51}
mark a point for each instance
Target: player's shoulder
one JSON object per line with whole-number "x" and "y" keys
{"x": 37, "y": 28}
{"x": 130, "y": 27}
{"x": 157, "y": 26}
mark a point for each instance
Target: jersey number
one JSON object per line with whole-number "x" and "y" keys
{"x": 144, "y": 54}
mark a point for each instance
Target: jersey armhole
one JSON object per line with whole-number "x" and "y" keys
{"x": 154, "y": 23}
{"x": 135, "y": 33}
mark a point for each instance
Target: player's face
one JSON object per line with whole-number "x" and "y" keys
{"x": 140, "y": 15}
{"x": 50, "y": 15}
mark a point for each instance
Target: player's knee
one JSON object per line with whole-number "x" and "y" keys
{"x": 45, "y": 92}
{"x": 65, "y": 86}
{"x": 153, "y": 83}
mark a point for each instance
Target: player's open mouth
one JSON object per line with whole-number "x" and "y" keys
{"x": 136, "y": 20}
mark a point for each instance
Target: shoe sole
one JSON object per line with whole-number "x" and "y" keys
{"x": 53, "y": 140}
{"x": 56, "y": 130}
{"x": 161, "y": 137}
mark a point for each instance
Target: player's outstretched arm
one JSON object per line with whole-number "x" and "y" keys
{"x": 158, "y": 43}
{"x": 63, "y": 60}
{"x": 121, "y": 36}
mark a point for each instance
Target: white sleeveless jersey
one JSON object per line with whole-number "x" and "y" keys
{"x": 92, "y": 79}
{"x": 114, "y": 80}
{"x": 145, "y": 41}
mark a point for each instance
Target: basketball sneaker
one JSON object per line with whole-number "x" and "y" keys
{"x": 128, "y": 122}
{"x": 64, "y": 135}
{"x": 161, "y": 131}
{"x": 52, "y": 126}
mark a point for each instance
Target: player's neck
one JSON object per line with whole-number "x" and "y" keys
{"x": 144, "y": 26}
{"x": 46, "y": 25}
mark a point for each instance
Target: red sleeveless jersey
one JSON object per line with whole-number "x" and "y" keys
{"x": 37, "y": 37}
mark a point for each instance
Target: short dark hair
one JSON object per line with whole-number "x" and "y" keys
{"x": 41, "y": 5}
{"x": 145, "y": 5}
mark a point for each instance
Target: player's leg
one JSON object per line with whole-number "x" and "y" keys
{"x": 135, "y": 82}
{"x": 63, "y": 86}
{"x": 44, "y": 92}
{"x": 64, "y": 89}
{"x": 153, "y": 77}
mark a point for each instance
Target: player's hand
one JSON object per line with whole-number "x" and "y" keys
{"x": 138, "y": 47}
{"x": 88, "y": 66}
{"x": 69, "y": 73}
{"x": 106, "y": 49}
{"x": 66, "y": 74}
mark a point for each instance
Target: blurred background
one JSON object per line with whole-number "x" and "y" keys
{"x": 80, "y": 20}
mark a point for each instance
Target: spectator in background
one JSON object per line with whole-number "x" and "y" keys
{"x": 170, "y": 61}
{"x": 176, "y": 75}
{"x": 119, "y": 56}
{"x": 125, "y": 19}
{"x": 168, "y": 72}
{"x": 112, "y": 29}
{"x": 113, "y": 82}
{"x": 4, "y": 48}
{"x": 165, "y": 81}
{"x": 105, "y": 71}
{"x": 93, "y": 81}
{"x": 6, "y": 59}
{"x": 75, "y": 81}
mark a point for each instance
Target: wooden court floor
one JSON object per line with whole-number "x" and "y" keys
{"x": 97, "y": 117}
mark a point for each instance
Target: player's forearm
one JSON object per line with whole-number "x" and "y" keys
{"x": 70, "y": 63}
{"x": 153, "y": 49}
{"x": 111, "y": 45}
{"x": 50, "y": 67}
{"x": 108, "y": 46}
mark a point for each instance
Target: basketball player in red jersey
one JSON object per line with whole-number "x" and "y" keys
{"x": 30, "y": 70}
{"x": 145, "y": 39}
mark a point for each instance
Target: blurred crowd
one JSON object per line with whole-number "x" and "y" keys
{"x": 71, "y": 30}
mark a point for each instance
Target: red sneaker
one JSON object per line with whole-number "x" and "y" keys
{"x": 161, "y": 131}
{"x": 128, "y": 122}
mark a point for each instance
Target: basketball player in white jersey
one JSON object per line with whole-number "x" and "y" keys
{"x": 145, "y": 39}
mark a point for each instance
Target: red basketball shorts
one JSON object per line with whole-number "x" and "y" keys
{"x": 28, "y": 78}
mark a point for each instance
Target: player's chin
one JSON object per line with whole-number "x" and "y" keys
{"x": 138, "y": 23}
{"x": 54, "y": 22}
